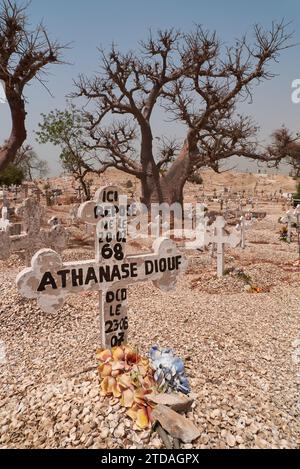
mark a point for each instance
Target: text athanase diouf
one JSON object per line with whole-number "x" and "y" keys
{"x": 50, "y": 281}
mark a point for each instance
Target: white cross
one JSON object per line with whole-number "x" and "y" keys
{"x": 4, "y": 221}
{"x": 50, "y": 281}
{"x": 31, "y": 213}
{"x": 289, "y": 218}
{"x": 3, "y": 196}
{"x": 242, "y": 228}
{"x": 33, "y": 237}
{"x": 220, "y": 238}
{"x": 297, "y": 211}
{"x": 297, "y": 217}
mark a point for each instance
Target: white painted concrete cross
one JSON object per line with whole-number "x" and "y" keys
{"x": 4, "y": 221}
{"x": 219, "y": 237}
{"x": 32, "y": 214}
{"x": 242, "y": 229}
{"x": 3, "y": 197}
{"x": 297, "y": 211}
{"x": 289, "y": 218}
{"x": 33, "y": 237}
{"x": 297, "y": 216}
{"x": 50, "y": 281}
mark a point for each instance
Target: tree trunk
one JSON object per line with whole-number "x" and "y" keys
{"x": 86, "y": 189}
{"x": 84, "y": 186}
{"x": 18, "y": 133}
{"x": 150, "y": 181}
{"x": 169, "y": 187}
{"x": 167, "y": 192}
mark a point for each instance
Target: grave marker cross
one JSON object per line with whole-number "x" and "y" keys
{"x": 50, "y": 281}
{"x": 32, "y": 238}
{"x": 219, "y": 237}
{"x": 4, "y": 221}
{"x": 297, "y": 215}
{"x": 31, "y": 213}
{"x": 242, "y": 228}
{"x": 289, "y": 218}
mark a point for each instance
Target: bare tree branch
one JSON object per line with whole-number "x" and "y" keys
{"x": 24, "y": 55}
{"x": 196, "y": 80}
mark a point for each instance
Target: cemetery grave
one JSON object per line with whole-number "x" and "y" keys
{"x": 235, "y": 344}
{"x": 32, "y": 236}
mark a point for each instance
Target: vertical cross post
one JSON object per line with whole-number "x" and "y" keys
{"x": 289, "y": 222}
{"x": 110, "y": 216}
{"x": 219, "y": 241}
{"x": 220, "y": 238}
{"x": 4, "y": 221}
{"x": 111, "y": 239}
{"x": 49, "y": 280}
{"x": 243, "y": 232}
{"x": 297, "y": 215}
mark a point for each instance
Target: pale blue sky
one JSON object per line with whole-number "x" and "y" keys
{"x": 91, "y": 23}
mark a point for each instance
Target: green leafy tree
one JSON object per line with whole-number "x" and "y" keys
{"x": 66, "y": 129}
{"x": 12, "y": 175}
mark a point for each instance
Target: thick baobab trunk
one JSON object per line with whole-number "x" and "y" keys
{"x": 161, "y": 191}
{"x": 18, "y": 133}
{"x": 150, "y": 181}
{"x": 168, "y": 188}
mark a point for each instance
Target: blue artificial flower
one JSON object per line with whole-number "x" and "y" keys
{"x": 169, "y": 373}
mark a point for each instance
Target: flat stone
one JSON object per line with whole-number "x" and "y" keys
{"x": 261, "y": 443}
{"x": 65, "y": 409}
{"x": 89, "y": 442}
{"x": 175, "y": 424}
{"x": 178, "y": 402}
{"x": 104, "y": 433}
{"x": 94, "y": 393}
{"x": 215, "y": 413}
{"x": 156, "y": 442}
{"x": 120, "y": 431}
{"x": 254, "y": 428}
{"x": 231, "y": 441}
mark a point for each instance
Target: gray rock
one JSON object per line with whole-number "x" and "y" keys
{"x": 175, "y": 424}
{"x": 178, "y": 402}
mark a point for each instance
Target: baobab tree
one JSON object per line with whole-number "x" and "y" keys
{"x": 285, "y": 148}
{"x": 194, "y": 80}
{"x": 24, "y": 56}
